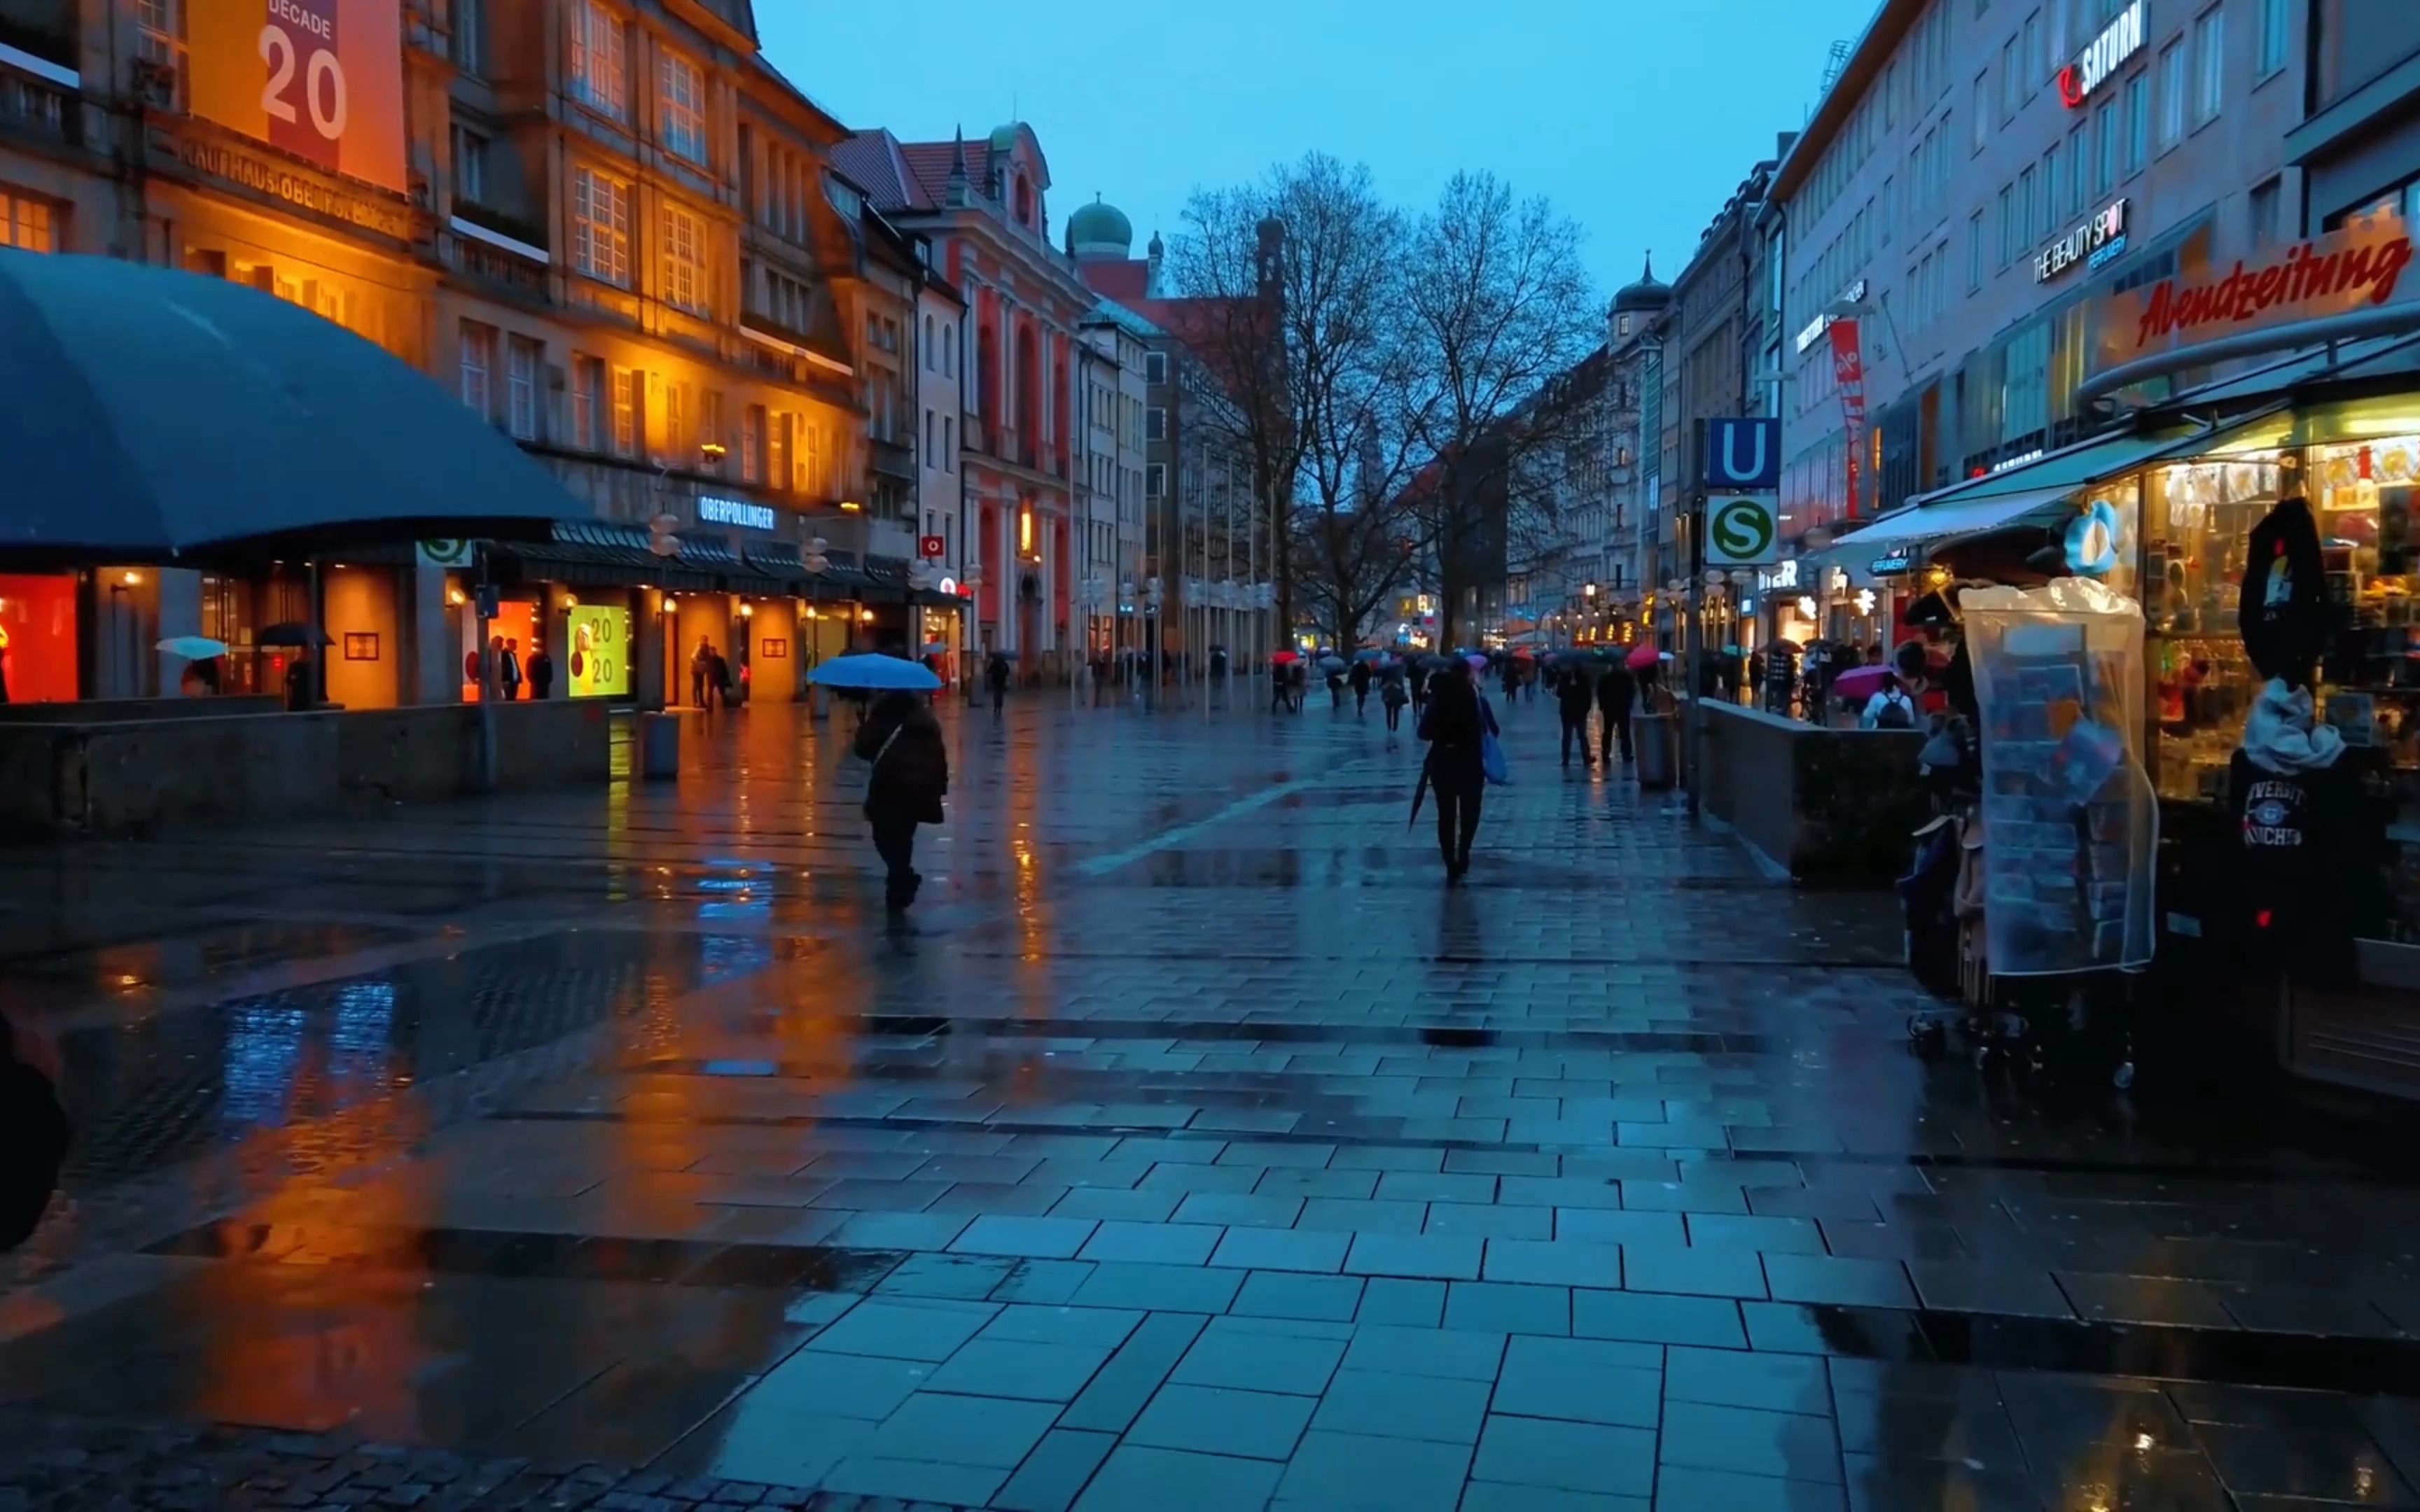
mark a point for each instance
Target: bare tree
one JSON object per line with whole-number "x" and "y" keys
{"x": 1499, "y": 309}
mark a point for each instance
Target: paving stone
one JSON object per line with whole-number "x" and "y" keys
{"x": 1186, "y": 1289}
{"x": 1490, "y": 1222}
{"x": 1587, "y": 1381}
{"x": 1825, "y": 1278}
{"x": 1282, "y": 1249}
{"x": 1225, "y": 1209}
{"x": 1177, "y": 1244}
{"x": 1273, "y": 1294}
{"x": 1499, "y": 1308}
{"x": 1135, "y": 1478}
{"x": 1362, "y": 1217}
{"x": 917, "y": 1328}
{"x": 1693, "y": 1271}
{"x": 1379, "y": 1474}
{"x": 1429, "y": 1408}
{"x": 1217, "y": 1420}
{"x": 1035, "y": 1372}
{"x": 1259, "y": 1362}
{"x": 1786, "y": 1446}
{"x": 1403, "y": 1303}
{"x": 1120, "y": 1389}
{"x": 1055, "y": 1472}
{"x": 1578, "y": 1457}
{"x": 1043, "y": 1238}
{"x": 1560, "y": 1263}
{"x": 1652, "y": 1319}
{"x": 1432, "y": 1257}
{"x": 1452, "y": 1354}
{"x": 964, "y": 1430}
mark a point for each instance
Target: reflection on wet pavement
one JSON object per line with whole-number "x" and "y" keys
{"x": 1193, "y": 1146}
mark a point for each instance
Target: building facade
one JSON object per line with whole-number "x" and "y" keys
{"x": 1978, "y": 175}
{"x": 606, "y": 224}
{"x": 2359, "y": 147}
{"x": 984, "y": 205}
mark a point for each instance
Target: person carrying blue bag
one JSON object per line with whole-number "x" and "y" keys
{"x": 1466, "y": 754}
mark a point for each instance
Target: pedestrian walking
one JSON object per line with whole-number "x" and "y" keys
{"x": 1573, "y": 697}
{"x": 1280, "y": 687}
{"x": 1391, "y": 696}
{"x": 1359, "y": 678}
{"x": 508, "y": 670}
{"x": 1616, "y": 691}
{"x": 1457, "y": 725}
{"x": 996, "y": 676}
{"x": 33, "y": 1130}
{"x": 701, "y": 666}
{"x": 1336, "y": 691}
{"x": 1300, "y": 681}
{"x": 718, "y": 677}
{"x": 910, "y": 776}
{"x": 1419, "y": 689}
{"x": 541, "y": 672}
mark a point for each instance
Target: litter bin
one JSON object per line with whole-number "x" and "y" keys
{"x": 1651, "y": 736}
{"x": 819, "y": 701}
{"x": 658, "y": 747}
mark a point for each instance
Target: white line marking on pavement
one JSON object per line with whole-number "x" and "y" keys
{"x": 1102, "y": 865}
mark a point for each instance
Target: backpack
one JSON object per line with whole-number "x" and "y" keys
{"x": 1896, "y": 713}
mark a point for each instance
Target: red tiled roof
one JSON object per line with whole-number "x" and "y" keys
{"x": 1126, "y": 280}
{"x": 872, "y": 161}
{"x": 930, "y": 163}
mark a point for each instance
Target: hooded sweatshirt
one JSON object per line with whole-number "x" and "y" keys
{"x": 2299, "y": 813}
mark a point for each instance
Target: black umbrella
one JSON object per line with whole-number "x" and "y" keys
{"x": 148, "y": 414}
{"x": 287, "y": 633}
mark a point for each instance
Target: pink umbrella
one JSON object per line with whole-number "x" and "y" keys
{"x": 1478, "y": 663}
{"x": 1860, "y": 682}
{"x": 1641, "y": 657}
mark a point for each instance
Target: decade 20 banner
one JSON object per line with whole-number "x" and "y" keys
{"x": 321, "y": 79}
{"x": 599, "y": 657}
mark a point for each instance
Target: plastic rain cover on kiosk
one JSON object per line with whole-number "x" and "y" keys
{"x": 2070, "y": 817}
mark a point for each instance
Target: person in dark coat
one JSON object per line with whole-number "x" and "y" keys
{"x": 33, "y": 1131}
{"x": 541, "y": 672}
{"x": 1574, "y": 696}
{"x": 996, "y": 676}
{"x": 1453, "y": 726}
{"x": 508, "y": 670}
{"x": 1616, "y": 691}
{"x": 1280, "y": 686}
{"x": 1360, "y": 677}
{"x": 911, "y": 775}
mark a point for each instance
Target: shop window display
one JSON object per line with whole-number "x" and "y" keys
{"x": 2199, "y": 516}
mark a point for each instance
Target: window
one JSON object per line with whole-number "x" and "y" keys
{"x": 949, "y": 354}
{"x": 2010, "y": 64}
{"x": 2275, "y": 38}
{"x": 2049, "y": 207}
{"x": 1155, "y": 425}
{"x": 26, "y": 224}
{"x": 470, "y": 39}
{"x": 2138, "y": 122}
{"x": 2172, "y": 95}
{"x": 1982, "y": 106}
{"x": 597, "y": 60}
{"x": 2104, "y": 147}
{"x": 684, "y": 261}
{"x": 1973, "y": 251}
{"x": 470, "y": 165}
{"x": 160, "y": 38}
{"x": 2008, "y": 228}
{"x": 2075, "y": 171}
{"x": 587, "y": 397}
{"x": 2036, "y": 64}
{"x": 2210, "y": 63}
{"x": 807, "y": 457}
{"x": 478, "y": 366}
{"x": 709, "y": 420}
{"x": 600, "y": 226}
{"x": 929, "y": 359}
{"x": 931, "y": 431}
{"x": 626, "y": 412}
{"x": 683, "y": 88}
{"x": 1154, "y": 481}
{"x": 2029, "y": 217}
{"x": 751, "y": 443}
{"x": 2264, "y": 203}
{"x": 1155, "y": 367}
{"x": 677, "y": 435}
{"x": 520, "y": 388}
{"x": 777, "y": 451}
{"x": 949, "y": 443}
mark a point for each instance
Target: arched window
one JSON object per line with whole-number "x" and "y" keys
{"x": 929, "y": 359}
{"x": 949, "y": 354}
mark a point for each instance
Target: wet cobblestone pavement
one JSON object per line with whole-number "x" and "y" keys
{"x": 1196, "y": 1148}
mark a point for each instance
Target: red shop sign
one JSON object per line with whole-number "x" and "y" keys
{"x": 2361, "y": 264}
{"x": 1849, "y": 374}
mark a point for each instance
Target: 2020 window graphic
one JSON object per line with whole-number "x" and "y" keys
{"x": 320, "y": 78}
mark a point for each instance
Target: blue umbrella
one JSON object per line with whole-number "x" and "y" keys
{"x": 877, "y": 672}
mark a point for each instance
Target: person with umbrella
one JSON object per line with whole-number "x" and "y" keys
{"x": 1456, "y": 727}
{"x": 1392, "y": 698}
{"x": 1616, "y": 691}
{"x": 1281, "y": 681}
{"x": 902, "y": 742}
{"x": 1359, "y": 678}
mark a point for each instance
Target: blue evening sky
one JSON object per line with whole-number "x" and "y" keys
{"x": 1636, "y": 116}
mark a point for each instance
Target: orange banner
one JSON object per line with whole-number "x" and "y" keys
{"x": 321, "y": 79}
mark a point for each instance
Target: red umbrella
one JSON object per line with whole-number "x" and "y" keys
{"x": 1281, "y": 658}
{"x": 1525, "y": 653}
{"x": 1641, "y": 657}
{"x": 1861, "y": 682}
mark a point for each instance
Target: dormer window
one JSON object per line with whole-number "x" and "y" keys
{"x": 843, "y": 199}
{"x": 1024, "y": 200}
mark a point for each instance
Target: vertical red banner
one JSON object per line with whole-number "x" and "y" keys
{"x": 304, "y": 96}
{"x": 1849, "y": 374}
